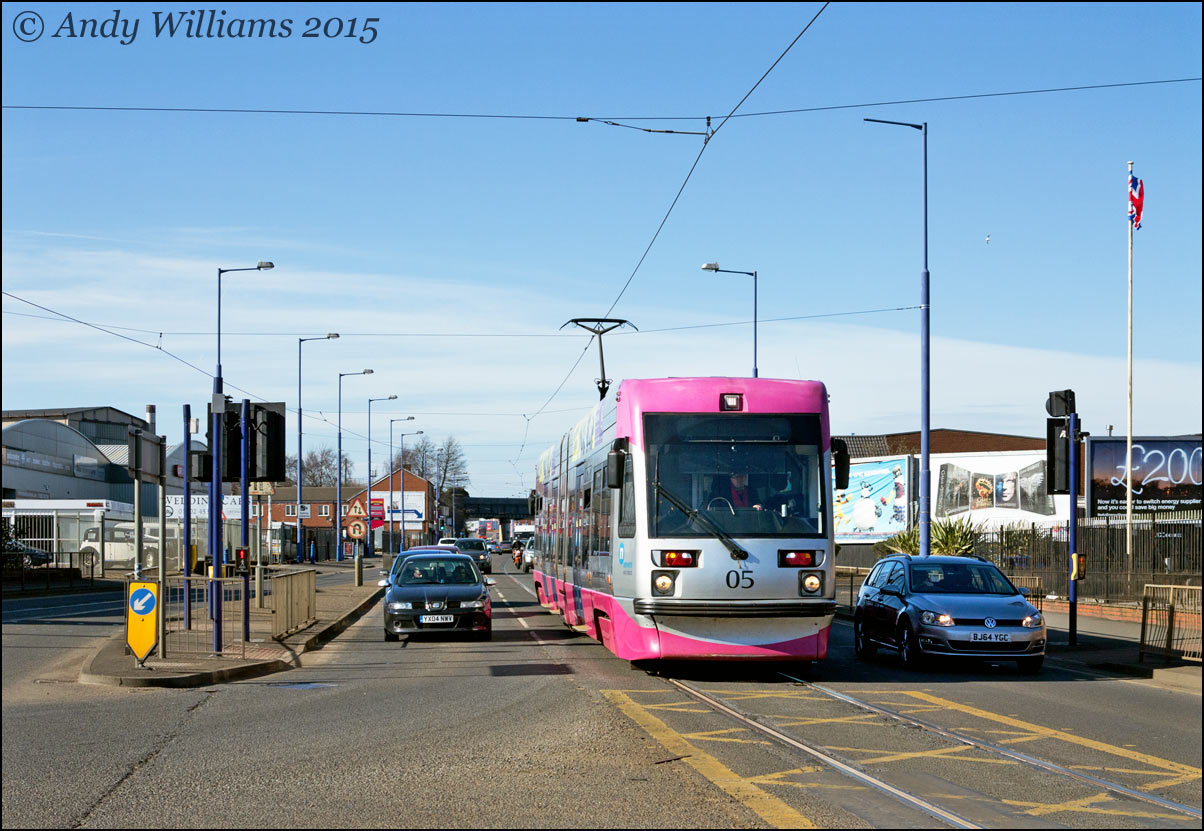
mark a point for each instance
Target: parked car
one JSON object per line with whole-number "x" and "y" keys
{"x": 436, "y": 591}
{"x": 949, "y": 607}
{"x": 18, "y": 554}
{"x": 475, "y": 547}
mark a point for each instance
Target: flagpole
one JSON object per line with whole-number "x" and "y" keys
{"x": 1129, "y": 435}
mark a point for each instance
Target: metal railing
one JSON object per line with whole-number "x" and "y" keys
{"x": 1170, "y": 622}
{"x": 848, "y": 581}
{"x": 189, "y": 615}
{"x": 294, "y": 605}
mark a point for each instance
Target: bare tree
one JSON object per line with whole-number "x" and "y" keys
{"x": 419, "y": 459}
{"x": 320, "y": 468}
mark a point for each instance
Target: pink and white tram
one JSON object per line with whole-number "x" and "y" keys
{"x": 645, "y": 543}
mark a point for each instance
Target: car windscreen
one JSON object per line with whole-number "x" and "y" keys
{"x": 420, "y": 571}
{"x": 959, "y": 578}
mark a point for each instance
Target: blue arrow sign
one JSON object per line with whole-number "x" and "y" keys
{"x": 142, "y": 602}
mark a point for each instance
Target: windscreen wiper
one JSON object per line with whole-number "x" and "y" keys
{"x": 703, "y": 521}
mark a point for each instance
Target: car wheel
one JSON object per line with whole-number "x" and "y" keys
{"x": 909, "y": 650}
{"x": 862, "y": 645}
{"x": 87, "y": 558}
{"x": 391, "y": 637}
{"x": 1030, "y": 666}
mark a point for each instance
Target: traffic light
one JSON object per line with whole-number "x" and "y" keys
{"x": 1060, "y": 403}
{"x": 1078, "y": 566}
{"x": 1057, "y": 455}
{"x": 243, "y": 560}
{"x": 267, "y": 442}
{"x": 231, "y": 441}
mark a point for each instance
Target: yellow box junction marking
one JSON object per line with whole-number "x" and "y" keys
{"x": 944, "y": 752}
{"x": 1182, "y": 773}
{"x": 717, "y": 736}
{"x": 768, "y": 807}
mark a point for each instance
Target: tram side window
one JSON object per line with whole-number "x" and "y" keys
{"x": 627, "y": 501}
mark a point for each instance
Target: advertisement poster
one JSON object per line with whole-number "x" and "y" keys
{"x": 1166, "y": 475}
{"x": 993, "y": 489}
{"x": 874, "y": 507}
{"x": 414, "y": 509}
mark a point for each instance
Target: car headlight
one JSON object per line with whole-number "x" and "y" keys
{"x": 400, "y": 605}
{"x": 1033, "y": 621}
{"x": 936, "y": 619}
{"x": 472, "y": 604}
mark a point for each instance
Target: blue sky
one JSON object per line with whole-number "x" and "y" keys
{"x": 447, "y": 252}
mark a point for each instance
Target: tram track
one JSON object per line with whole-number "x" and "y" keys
{"x": 913, "y": 800}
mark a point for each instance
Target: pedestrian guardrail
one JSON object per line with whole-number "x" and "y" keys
{"x": 190, "y": 605}
{"x": 293, "y": 603}
{"x": 848, "y": 581}
{"x": 1036, "y": 594}
{"x": 1170, "y": 622}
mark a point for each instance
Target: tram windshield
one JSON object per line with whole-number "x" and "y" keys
{"x": 745, "y": 475}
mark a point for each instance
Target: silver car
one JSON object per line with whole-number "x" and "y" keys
{"x": 947, "y": 606}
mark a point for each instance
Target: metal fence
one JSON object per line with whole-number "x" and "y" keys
{"x": 1165, "y": 552}
{"x": 189, "y": 612}
{"x": 293, "y": 601}
{"x": 1170, "y": 622}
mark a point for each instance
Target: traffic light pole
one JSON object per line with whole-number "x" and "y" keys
{"x": 245, "y": 518}
{"x": 1072, "y": 594}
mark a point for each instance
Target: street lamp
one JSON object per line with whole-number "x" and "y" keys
{"x": 338, "y": 489}
{"x": 402, "y": 436}
{"x": 369, "y": 548}
{"x": 715, "y": 267}
{"x": 216, "y": 425}
{"x": 300, "y": 423}
{"x": 925, "y": 473}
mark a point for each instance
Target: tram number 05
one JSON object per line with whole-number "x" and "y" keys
{"x": 739, "y": 579}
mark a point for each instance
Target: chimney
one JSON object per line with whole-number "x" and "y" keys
{"x": 150, "y": 417}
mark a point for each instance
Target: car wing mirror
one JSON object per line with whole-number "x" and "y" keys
{"x": 1025, "y": 591}
{"x": 382, "y": 583}
{"x": 489, "y": 581}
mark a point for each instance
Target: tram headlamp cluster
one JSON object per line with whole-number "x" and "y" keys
{"x": 811, "y": 583}
{"x": 663, "y": 582}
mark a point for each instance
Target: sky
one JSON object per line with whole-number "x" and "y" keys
{"x": 448, "y": 251}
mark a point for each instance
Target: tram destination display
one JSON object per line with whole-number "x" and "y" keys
{"x": 1166, "y": 475}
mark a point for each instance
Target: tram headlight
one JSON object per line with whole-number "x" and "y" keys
{"x": 812, "y": 583}
{"x": 663, "y": 583}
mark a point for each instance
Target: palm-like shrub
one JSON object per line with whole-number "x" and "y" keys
{"x": 955, "y": 537}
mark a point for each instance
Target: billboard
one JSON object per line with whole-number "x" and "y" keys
{"x": 1166, "y": 474}
{"x": 994, "y": 489}
{"x": 874, "y": 506}
{"x": 413, "y": 511}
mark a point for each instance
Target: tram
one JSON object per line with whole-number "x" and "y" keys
{"x": 691, "y": 518}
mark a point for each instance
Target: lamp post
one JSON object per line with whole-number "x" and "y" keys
{"x": 300, "y": 423}
{"x": 925, "y": 473}
{"x": 216, "y": 425}
{"x": 715, "y": 267}
{"x": 338, "y": 487}
{"x": 403, "y": 485}
{"x": 401, "y": 436}
{"x": 359, "y": 565}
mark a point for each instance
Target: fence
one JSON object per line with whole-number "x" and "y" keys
{"x": 293, "y": 601}
{"x": 1170, "y": 622}
{"x": 1165, "y": 552}
{"x": 188, "y": 615}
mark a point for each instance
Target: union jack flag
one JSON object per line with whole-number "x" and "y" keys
{"x": 1136, "y": 200}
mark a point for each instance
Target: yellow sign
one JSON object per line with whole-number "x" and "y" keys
{"x": 142, "y": 613}
{"x": 357, "y": 509}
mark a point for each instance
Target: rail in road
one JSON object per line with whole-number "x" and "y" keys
{"x": 800, "y": 753}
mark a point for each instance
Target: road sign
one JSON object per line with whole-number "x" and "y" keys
{"x": 357, "y": 509}
{"x": 356, "y": 529}
{"x": 378, "y": 508}
{"x": 142, "y": 611}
